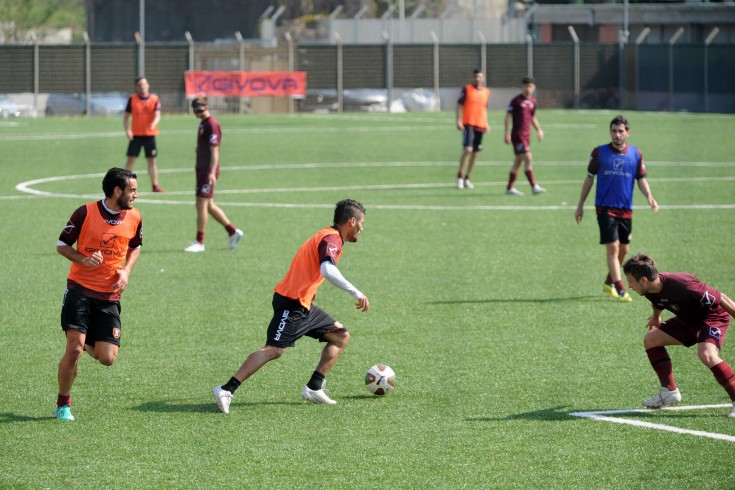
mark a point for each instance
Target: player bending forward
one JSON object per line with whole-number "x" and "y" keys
{"x": 702, "y": 317}
{"x": 294, "y": 314}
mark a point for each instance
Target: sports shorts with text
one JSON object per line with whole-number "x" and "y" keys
{"x": 291, "y": 321}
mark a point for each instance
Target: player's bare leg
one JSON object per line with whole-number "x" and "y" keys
{"x": 129, "y": 163}
{"x": 153, "y": 174}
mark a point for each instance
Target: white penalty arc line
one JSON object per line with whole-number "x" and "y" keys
{"x": 604, "y": 416}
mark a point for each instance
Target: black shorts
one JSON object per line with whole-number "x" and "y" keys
{"x": 138, "y": 142}
{"x": 472, "y": 136}
{"x": 291, "y": 321}
{"x": 614, "y": 229}
{"x": 97, "y": 318}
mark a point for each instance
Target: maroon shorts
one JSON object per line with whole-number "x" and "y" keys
{"x": 520, "y": 143}
{"x": 203, "y": 188}
{"x": 693, "y": 333}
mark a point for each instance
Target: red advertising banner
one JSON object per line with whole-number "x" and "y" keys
{"x": 245, "y": 83}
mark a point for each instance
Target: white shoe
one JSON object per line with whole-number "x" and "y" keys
{"x": 537, "y": 189}
{"x": 460, "y": 183}
{"x": 223, "y": 399}
{"x": 195, "y": 247}
{"x": 513, "y": 192}
{"x": 732, "y": 414}
{"x": 235, "y": 238}
{"x": 316, "y": 396}
{"x": 663, "y": 398}
{"x": 468, "y": 184}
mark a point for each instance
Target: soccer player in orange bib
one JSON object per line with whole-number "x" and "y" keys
{"x": 294, "y": 313}
{"x": 471, "y": 114}
{"x": 108, "y": 234}
{"x": 145, "y": 110}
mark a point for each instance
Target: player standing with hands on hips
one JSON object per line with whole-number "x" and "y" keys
{"x": 207, "y": 170}
{"x": 617, "y": 166}
{"x": 294, "y": 313}
{"x": 522, "y": 112}
{"x": 471, "y": 115}
{"x": 145, "y": 110}
{"x": 702, "y": 317}
{"x": 108, "y": 234}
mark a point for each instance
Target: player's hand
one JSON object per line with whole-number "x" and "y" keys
{"x": 578, "y": 214}
{"x": 507, "y": 139}
{"x": 487, "y": 129}
{"x": 94, "y": 260}
{"x": 460, "y": 126}
{"x": 653, "y": 322}
{"x": 122, "y": 281}
{"x": 540, "y": 135}
{"x": 654, "y": 205}
{"x": 152, "y": 127}
{"x": 212, "y": 178}
{"x": 363, "y": 304}
{"x": 129, "y": 134}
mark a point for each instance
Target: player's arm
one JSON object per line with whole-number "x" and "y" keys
{"x": 506, "y": 123}
{"x": 70, "y": 234}
{"x": 539, "y": 131}
{"x": 156, "y": 118}
{"x": 213, "y": 162}
{"x": 124, "y": 274}
{"x": 126, "y": 125}
{"x": 646, "y": 191}
{"x": 655, "y": 319}
{"x": 72, "y": 254}
{"x": 458, "y": 116}
{"x": 332, "y": 274}
{"x": 586, "y": 187}
{"x": 727, "y": 304}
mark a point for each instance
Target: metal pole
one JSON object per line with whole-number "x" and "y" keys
{"x": 290, "y": 67}
{"x": 141, "y": 43}
{"x": 437, "y": 98}
{"x": 87, "y": 75}
{"x": 529, "y": 54}
{"x": 483, "y": 53}
{"x": 638, "y": 41}
{"x": 190, "y": 40}
{"x": 711, "y": 37}
{"x": 389, "y": 67}
{"x": 672, "y": 41}
{"x": 36, "y": 77}
{"x": 575, "y": 38}
{"x": 238, "y": 36}
{"x": 340, "y": 74}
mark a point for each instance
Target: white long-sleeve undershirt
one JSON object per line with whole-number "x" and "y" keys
{"x": 332, "y": 274}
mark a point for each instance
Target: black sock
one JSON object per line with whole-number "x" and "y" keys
{"x": 231, "y": 385}
{"x": 316, "y": 382}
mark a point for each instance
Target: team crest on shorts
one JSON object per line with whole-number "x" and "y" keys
{"x": 116, "y": 333}
{"x": 714, "y": 332}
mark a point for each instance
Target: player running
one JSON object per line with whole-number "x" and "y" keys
{"x": 294, "y": 313}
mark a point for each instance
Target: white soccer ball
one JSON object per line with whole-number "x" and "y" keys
{"x": 380, "y": 380}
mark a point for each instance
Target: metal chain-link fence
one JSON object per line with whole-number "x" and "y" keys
{"x": 379, "y": 77}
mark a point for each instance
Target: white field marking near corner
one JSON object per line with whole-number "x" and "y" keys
{"x": 603, "y": 416}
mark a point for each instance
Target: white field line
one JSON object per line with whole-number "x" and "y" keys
{"x": 604, "y": 416}
{"x": 29, "y": 187}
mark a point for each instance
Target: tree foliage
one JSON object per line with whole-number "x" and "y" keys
{"x": 18, "y": 18}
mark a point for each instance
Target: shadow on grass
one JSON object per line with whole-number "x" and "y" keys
{"x": 553, "y": 414}
{"x": 8, "y": 418}
{"x": 170, "y": 407}
{"x": 515, "y": 300}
